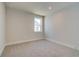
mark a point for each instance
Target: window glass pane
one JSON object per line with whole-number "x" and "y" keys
{"x": 37, "y": 24}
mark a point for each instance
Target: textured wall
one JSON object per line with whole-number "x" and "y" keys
{"x": 2, "y": 27}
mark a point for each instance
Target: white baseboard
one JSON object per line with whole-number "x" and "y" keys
{"x": 1, "y": 50}
{"x": 61, "y": 43}
{"x": 18, "y": 42}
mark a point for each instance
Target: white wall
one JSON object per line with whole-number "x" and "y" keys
{"x": 2, "y": 27}
{"x": 63, "y": 26}
{"x": 20, "y": 27}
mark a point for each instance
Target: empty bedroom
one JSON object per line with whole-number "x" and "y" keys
{"x": 39, "y": 29}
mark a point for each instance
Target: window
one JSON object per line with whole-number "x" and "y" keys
{"x": 37, "y": 24}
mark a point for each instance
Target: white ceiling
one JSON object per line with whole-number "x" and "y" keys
{"x": 40, "y": 8}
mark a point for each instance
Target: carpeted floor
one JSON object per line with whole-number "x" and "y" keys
{"x": 39, "y": 48}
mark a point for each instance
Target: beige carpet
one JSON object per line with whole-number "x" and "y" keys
{"x": 39, "y": 48}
